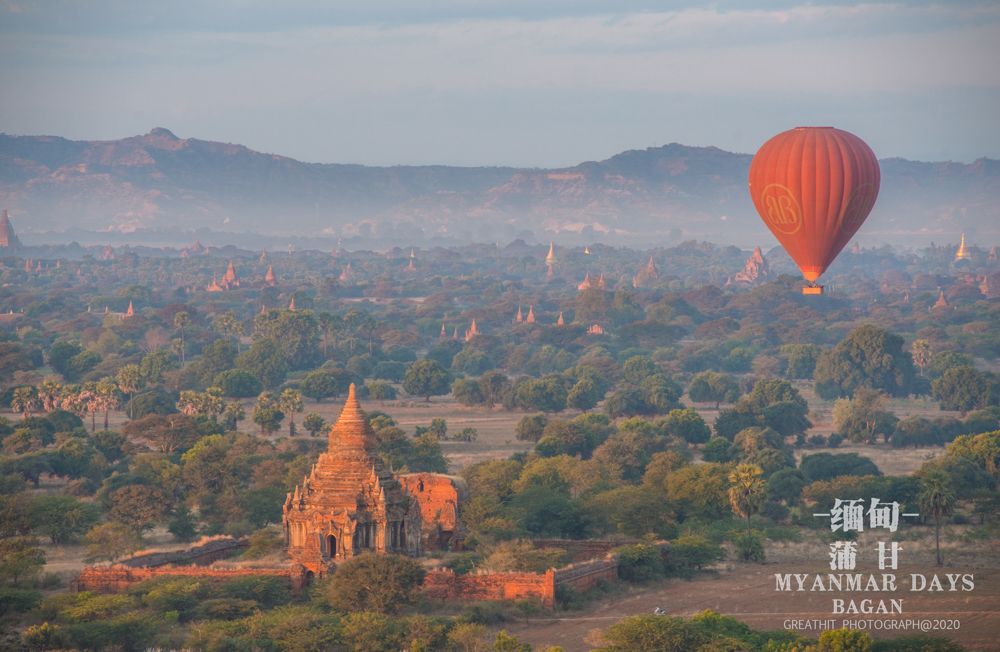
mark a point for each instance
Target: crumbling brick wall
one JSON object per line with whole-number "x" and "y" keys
{"x": 585, "y": 576}
{"x": 115, "y": 579}
{"x": 446, "y": 585}
{"x": 202, "y": 555}
{"x": 439, "y": 497}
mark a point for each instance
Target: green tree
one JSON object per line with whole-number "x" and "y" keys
{"x": 61, "y": 518}
{"x": 637, "y": 368}
{"x": 964, "y": 389}
{"x": 688, "y": 425}
{"x": 802, "y": 359}
{"x": 61, "y": 353}
{"x": 130, "y": 381}
{"x": 313, "y": 423}
{"x": 111, "y": 541}
{"x": 426, "y": 455}
{"x": 289, "y": 403}
{"x": 867, "y": 357}
{"x": 942, "y": 361}
{"x": 319, "y": 385}
{"x": 266, "y": 414}
{"x": 217, "y": 357}
{"x": 20, "y": 559}
{"x": 652, "y": 633}
{"x": 492, "y": 386}
{"x": 747, "y": 491}
{"x": 381, "y": 392}
{"x": 183, "y": 525}
{"x": 712, "y": 387}
{"x": 427, "y": 378}
{"x": 937, "y": 499}
{"x": 380, "y": 583}
{"x": 547, "y": 395}
{"x": 295, "y": 333}
{"x": 181, "y": 320}
{"x": 508, "y": 643}
{"x": 238, "y": 384}
{"x": 583, "y": 395}
{"x": 155, "y": 364}
{"x": 264, "y": 361}
{"x": 137, "y": 506}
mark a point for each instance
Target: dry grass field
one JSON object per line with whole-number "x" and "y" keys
{"x": 747, "y": 593}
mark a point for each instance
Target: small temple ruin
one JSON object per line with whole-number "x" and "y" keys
{"x": 755, "y": 271}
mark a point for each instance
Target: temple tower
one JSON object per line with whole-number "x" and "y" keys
{"x": 350, "y": 503}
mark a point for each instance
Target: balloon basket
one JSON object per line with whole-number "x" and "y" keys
{"x": 812, "y": 288}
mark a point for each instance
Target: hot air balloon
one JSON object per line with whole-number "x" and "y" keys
{"x": 814, "y": 187}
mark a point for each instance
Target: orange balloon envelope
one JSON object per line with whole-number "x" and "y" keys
{"x": 814, "y": 187}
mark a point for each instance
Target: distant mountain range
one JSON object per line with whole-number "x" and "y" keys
{"x": 646, "y": 196}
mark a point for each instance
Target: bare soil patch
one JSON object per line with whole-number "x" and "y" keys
{"x": 747, "y": 593}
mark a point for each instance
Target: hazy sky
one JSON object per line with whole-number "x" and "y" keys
{"x": 542, "y": 83}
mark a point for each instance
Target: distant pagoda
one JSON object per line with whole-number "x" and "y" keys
{"x": 551, "y": 258}
{"x": 7, "y": 236}
{"x": 962, "y": 253}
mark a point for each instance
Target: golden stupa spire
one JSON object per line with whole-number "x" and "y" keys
{"x": 962, "y": 253}
{"x": 551, "y": 258}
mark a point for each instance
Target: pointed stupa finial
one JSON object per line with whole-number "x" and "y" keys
{"x": 551, "y": 258}
{"x": 291, "y": 306}
{"x": 130, "y": 312}
{"x": 352, "y": 431}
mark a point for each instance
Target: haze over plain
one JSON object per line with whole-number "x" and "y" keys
{"x": 524, "y": 84}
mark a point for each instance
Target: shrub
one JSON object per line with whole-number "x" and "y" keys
{"x": 639, "y": 563}
{"x": 268, "y": 591}
{"x": 749, "y": 547}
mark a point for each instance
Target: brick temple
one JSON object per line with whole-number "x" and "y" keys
{"x": 350, "y": 503}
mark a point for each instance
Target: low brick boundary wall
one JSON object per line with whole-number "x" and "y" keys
{"x": 446, "y": 585}
{"x": 115, "y": 579}
{"x": 583, "y": 577}
{"x": 202, "y": 555}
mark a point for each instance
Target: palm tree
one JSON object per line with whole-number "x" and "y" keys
{"x": 234, "y": 413}
{"x": 290, "y": 402}
{"x": 937, "y": 499}
{"x": 24, "y": 400}
{"x": 747, "y": 491}
{"x": 213, "y": 403}
{"x": 228, "y": 324}
{"x": 48, "y": 393}
{"x": 181, "y": 320}
{"x": 329, "y": 322}
{"x": 90, "y": 401}
{"x": 130, "y": 381}
{"x": 107, "y": 398}
{"x": 190, "y": 403}
{"x": 921, "y": 354}
{"x": 351, "y": 322}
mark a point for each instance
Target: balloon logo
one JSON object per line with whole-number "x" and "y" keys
{"x": 814, "y": 187}
{"x": 783, "y": 211}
